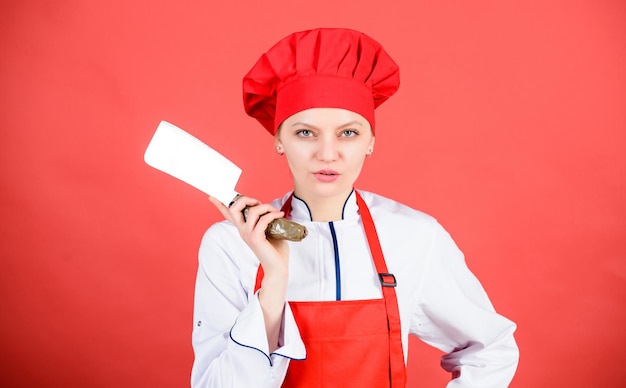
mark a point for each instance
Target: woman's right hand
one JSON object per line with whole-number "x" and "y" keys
{"x": 273, "y": 254}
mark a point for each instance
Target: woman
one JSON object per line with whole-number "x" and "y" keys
{"x": 336, "y": 308}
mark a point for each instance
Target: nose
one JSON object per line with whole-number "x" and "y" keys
{"x": 328, "y": 149}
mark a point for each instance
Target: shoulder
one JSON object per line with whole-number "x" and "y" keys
{"x": 219, "y": 231}
{"x": 394, "y": 218}
{"x": 381, "y": 206}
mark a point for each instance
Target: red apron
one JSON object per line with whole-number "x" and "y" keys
{"x": 350, "y": 343}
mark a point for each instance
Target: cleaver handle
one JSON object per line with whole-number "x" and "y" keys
{"x": 281, "y": 228}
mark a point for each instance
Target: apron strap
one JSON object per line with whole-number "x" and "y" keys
{"x": 388, "y": 284}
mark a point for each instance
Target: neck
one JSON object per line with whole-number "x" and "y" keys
{"x": 325, "y": 209}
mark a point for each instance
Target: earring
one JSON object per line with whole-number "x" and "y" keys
{"x": 370, "y": 152}
{"x": 279, "y": 149}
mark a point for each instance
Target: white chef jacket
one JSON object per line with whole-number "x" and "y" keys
{"x": 440, "y": 300}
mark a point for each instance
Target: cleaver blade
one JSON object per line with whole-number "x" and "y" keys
{"x": 183, "y": 156}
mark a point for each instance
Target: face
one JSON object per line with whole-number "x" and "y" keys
{"x": 325, "y": 149}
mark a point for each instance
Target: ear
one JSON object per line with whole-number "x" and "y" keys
{"x": 371, "y": 146}
{"x": 278, "y": 145}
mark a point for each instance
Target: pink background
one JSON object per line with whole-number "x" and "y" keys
{"x": 509, "y": 127}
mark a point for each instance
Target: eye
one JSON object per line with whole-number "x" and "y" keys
{"x": 349, "y": 133}
{"x": 304, "y": 133}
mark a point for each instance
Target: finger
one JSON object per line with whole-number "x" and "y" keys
{"x": 237, "y": 208}
{"x": 257, "y": 230}
{"x": 256, "y": 212}
{"x": 234, "y": 200}
{"x": 241, "y": 201}
{"x": 267, "y": 218}
{"x": 233, "y": 212}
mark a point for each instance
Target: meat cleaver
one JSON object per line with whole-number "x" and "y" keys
{"x": 183, "y": 156}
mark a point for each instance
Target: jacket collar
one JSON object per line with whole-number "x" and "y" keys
{"x": 300, "y": 210}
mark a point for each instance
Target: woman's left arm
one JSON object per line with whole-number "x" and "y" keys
{"x": 455, "y": 315}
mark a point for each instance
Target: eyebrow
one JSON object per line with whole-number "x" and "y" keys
{"x": 313, "y": 126}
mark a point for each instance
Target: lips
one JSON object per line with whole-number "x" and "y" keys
{"x": 326, "y": 175}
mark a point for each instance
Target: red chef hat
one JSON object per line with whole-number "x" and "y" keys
{"x": 321, "y": 68}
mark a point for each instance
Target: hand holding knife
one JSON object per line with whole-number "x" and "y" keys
{"x": 185, "y": 157}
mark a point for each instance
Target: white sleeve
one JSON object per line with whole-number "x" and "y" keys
{"x": 455, "y": 315}
{"x": 229, "y": 338}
